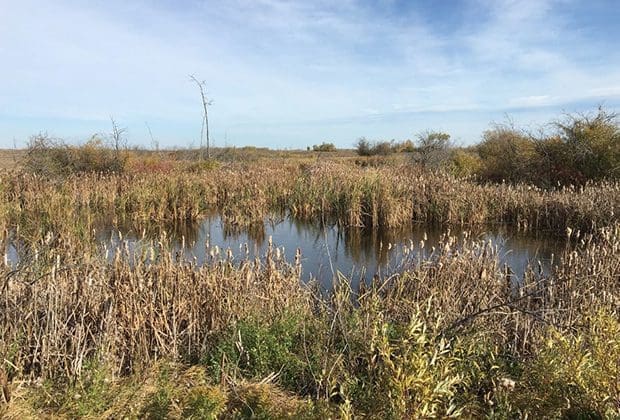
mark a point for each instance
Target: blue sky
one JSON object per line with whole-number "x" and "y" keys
{"x": 288, "y": 74}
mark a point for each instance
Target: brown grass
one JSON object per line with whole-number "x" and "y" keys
{"x": 437, "y": 338}
{"x": 10, "y": 159}
{"x": 323, "y": 192}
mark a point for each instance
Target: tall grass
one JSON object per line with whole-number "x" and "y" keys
{"x": 325, "y": 192}
{"x": 446, "y": 336}
{"x": 151, "y": 334}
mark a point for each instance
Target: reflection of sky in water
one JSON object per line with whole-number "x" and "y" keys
{"x": 10, "y": 254}
{"x": 355, "y": 253}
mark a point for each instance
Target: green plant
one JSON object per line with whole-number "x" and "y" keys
{"x": 416, "y": 372}
{"x": 433, "y": 149}
{"x": 585, "y": 147}
{"x": 576, "y": 375}
{"x": 255, "y": 349}
{"x": 50, "y": 157}
{"x": 204, "y": 402}
{"x": 366, "y": 148}
{"x": 507, "y": 155}
{"x": 324, "y": 147}
{"x": 464, "y": 163}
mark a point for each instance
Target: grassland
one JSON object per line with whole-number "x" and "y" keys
{"x": 156, "y": 336}
{"x": 9, "y": 159}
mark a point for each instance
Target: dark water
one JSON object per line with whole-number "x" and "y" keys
{"x": 325, "y": 250}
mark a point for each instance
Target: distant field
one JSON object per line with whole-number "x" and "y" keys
{"x": 9, "y": 159}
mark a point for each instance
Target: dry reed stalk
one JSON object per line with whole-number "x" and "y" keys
{"x": 325, "y": 192}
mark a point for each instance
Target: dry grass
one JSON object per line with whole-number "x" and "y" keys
{"x": 10, "y": 159}
{"x": 63, "y": 311}
{"x": 150, "y": 334}
{"x": 323, "y": 192}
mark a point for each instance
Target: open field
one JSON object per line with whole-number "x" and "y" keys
{"x": 149, "y": 334}
{"x": 9, "y": 159}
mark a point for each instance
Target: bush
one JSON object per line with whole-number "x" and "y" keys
{"x": 257, "y": 350}
{"x": 576, "y": 376}
{"x": 579, "y": 149}
{"x": 366, "y": 148}
{"x": 324, "y": 147}
{"x": 433, "y": 149}
{"x": 382, "y": 148}
{"x": 464, "y": 163}
{"x": 204, "y": 402}
{"x": 50, "y": 157}
{"x": 363, "y": 147}
{"x": 406, "y": 146}
{"x": 507, "y": 155}
{"x": 416, "y": 370}
{"x": 584, "y": 148}
{"x": 203, "y": 166}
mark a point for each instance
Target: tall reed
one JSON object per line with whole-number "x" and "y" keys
{"x": 66, "y": 307}
{"x": 325, "y": 192}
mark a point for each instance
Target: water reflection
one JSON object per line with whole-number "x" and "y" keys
{"x": 357, "y": 253}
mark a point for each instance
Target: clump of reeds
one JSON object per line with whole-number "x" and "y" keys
{"x": 323, "y": 192}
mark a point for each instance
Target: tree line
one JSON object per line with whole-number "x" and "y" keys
{"x": 570, "y": 151}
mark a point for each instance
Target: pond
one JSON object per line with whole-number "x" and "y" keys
{"x": 359, "y": 254}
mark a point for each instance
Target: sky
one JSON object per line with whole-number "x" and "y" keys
{"x": 290, "y": 74}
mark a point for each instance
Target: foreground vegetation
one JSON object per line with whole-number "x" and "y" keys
{"x": 448, "y": 336}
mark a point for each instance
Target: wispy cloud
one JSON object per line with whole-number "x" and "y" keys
{"x": 331, "y": 69}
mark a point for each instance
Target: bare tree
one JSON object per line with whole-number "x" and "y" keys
{"x": 154, "y": 143}
{"x": 205, "y": 120}
{"x": 117, "y": 136}
{"x": 119, "y": 142}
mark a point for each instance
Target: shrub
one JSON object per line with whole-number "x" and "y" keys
{"x": 363, "y": 147}
{"x": 399, "y": 367}
{"x": 406, "y": 146}
{"x": 324, "y": 147}
{"x": 464, "y": 163}
{"x": 581, "y": 148}
{"x": 507, "y": 155}
{"x": 366, "y": 148}
{"x": 257, "y": 349}
{"x": 382, "y": 148}
{"x": 416, "y": 370}
{"x": 204, "y": 402}
{"x": 203, "y": 166}
{"x": 51, "y": 157}
{"x": 576, "y": 376}
{"x": 433, "y": 149}
{"x": 586, "y": 147}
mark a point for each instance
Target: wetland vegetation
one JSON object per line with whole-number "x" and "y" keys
{"x": 148, "y": 326}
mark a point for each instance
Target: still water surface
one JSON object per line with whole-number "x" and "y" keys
{"x": 326, "y": 250}
{"x": 357, "y": 253}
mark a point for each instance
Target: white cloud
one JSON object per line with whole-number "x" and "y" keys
{"x": 276, "y": 62}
